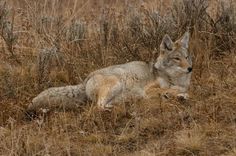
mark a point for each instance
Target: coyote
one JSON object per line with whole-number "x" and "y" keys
{"x": 171, "y": 72}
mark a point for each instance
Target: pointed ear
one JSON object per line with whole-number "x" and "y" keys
{"x": 184, "y": 40}
{"x": 166, "y": 43}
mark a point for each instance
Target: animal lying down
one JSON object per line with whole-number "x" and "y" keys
{"x": 171, "y": 72}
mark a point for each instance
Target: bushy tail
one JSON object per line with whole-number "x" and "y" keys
{"x": 67, "y": 97}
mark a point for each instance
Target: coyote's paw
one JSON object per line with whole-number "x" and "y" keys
{"x": 108, "y": 107}
{"x": 167, "y": 95}
{"x": 183, "y": 96}
{"x": 105, "y": 108}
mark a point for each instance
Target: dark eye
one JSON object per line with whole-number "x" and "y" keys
{"x": 177, "y": 59}
{"x": 186, "y": 57}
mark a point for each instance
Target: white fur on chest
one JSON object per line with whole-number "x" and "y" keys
{"x": 163, "y": 82}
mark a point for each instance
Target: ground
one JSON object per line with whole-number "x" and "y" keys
{"x": 57, "y": 43}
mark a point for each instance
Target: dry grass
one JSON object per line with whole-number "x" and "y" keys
{"x": 190, "y": 141}
{"x": 55, "y": 43}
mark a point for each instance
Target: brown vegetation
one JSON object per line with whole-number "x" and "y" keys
{"x": 55, "y": 43}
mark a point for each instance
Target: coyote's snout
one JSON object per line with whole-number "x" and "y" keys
{"x": 171, "y": 72}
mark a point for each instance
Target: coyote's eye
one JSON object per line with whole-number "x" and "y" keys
{"x": 177, "y": 59}
{"x": 186, "y": 57}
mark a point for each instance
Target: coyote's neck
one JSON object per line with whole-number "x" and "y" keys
{"x": 165, "y": 81}
{"x": 180, "y": 83}
{"x": 161, "y": 78}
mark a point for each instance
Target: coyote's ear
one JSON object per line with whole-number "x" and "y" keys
{"x": 184, "y": 40}
{"x": 166, "y": 44}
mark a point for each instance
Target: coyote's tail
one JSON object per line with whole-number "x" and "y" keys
{"x": 67, "y": 97}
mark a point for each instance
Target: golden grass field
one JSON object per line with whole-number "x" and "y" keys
{"x": 47, "y": 43}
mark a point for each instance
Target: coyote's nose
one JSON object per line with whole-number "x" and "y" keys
{"x": 190, "y": 69}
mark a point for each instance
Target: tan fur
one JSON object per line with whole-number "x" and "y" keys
{"x": 169, "y": 74}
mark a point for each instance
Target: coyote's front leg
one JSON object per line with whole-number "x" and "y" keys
{"x": 181, "y": 94}
{"x": 154, "y": 88}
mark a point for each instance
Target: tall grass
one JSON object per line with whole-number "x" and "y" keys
{"x": 55, "y": 43}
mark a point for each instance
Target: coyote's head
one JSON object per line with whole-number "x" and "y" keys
{"x": 174, "y": 59}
